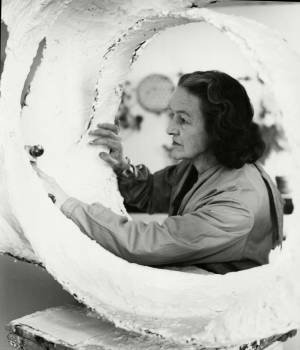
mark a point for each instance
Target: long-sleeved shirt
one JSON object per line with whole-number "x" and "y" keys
{"x": 228, "y": 220}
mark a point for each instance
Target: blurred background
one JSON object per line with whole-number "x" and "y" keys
{"x": 25, "y": 288}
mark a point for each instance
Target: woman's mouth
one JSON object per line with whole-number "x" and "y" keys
{"x": 174, "y": 143}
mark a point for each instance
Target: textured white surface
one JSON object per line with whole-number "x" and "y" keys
{"x": 87, "y": 40}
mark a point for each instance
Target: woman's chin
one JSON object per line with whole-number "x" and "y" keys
{"x": 175, "y": 155}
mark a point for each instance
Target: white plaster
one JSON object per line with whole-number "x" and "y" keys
{"x": 209, "y": 310}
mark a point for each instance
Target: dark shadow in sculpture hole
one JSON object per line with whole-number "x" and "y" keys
{"x": 4, "y": 37}
{"x": 37, "y": 60}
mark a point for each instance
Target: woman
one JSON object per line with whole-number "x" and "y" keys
{"x": 225, "y": 214}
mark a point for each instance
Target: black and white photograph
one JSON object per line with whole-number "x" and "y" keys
{"x": 149, "y": 175}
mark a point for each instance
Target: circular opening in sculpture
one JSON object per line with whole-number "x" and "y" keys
{"x": 181, "y": 50}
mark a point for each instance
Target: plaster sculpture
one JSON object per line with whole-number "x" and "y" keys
{"x": 93, "y": 43}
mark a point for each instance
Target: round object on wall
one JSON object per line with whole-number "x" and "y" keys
{"x": 154, "y": 92}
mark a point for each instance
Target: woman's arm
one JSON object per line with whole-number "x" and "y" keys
{"x": 214, "y": 233}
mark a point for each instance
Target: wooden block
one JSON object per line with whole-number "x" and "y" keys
{"x": 73, "y": 327}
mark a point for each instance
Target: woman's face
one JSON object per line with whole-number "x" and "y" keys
{"x": 186, "y": 125}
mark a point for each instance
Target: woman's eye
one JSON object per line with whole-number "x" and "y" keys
{"x": 182, "y": 120}
{"x": 178, "y": 118}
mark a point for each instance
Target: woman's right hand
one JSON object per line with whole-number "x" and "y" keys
{"x": 106, "y": 134}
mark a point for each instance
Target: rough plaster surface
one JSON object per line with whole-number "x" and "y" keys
{"x": 93, "y": 43}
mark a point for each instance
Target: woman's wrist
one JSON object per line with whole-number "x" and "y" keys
{"x": 59, "y": 198}
{"x": 123, "y": 166}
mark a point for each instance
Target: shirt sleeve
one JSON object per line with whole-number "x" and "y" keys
{"x": 215, "y": 233}
{"x": 147, "y": 192}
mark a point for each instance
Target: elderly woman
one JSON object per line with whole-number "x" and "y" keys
{"x": 225, "y": 214}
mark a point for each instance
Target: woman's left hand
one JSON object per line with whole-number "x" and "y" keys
{"x": 52, "y": 187}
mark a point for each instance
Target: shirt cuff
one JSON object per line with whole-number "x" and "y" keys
{"x": 69, "y": 205}
{"x": 132, "y": 173}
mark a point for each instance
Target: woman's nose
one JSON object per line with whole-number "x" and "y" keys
{"x": 172, "y": 128}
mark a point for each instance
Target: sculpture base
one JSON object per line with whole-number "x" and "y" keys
{"x": 74, "y": 327}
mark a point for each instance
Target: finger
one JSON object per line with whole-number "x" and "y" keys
{"x": 109, "y": 126}
{"x": 108, "y": 159}
{"x": 40, "y": 172}
{"x": 104, "y": 133}
{"x": 111, "y": 144}
{"x": 34, "y": 166}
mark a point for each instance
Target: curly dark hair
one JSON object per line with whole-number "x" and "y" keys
{"x": 228, "y": 113}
